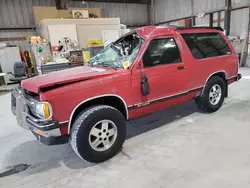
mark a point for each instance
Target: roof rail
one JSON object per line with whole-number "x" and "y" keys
{"x": 187, "y": 28}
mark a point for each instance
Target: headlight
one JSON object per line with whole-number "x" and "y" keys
{"x": 43, "y": 110}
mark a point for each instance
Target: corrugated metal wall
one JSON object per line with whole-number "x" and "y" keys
{"x": 208, "y": 5}
{"x": 130, "y": 14}
{"x": 171, "y": 9}
{"x": 174, "y": 9}
{"x": 23, "y": 44}
{"x": 18, "y": 13}
{"x": 166, "y": 10}
{"x": 239, "y": 21}
{"x": 239, "y": 2}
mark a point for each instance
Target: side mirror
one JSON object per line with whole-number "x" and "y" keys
{"x": 144, "y": 85}
{"x": 144, "y": 80}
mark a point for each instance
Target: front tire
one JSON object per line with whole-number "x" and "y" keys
{"x": 213, "y": 96}
{"x": 98, "y": 133}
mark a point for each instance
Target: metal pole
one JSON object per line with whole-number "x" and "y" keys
{"x": 149, "y": 13}
{"x": 58, "y": 4}
{"x": 192, "y": 12}
{"x": 211, "y": 20}
{"x": 219, "y": 19}
{"x": 227, "y": 21}
{"x": 246, "y": 52}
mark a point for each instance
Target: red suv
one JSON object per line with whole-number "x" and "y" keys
{"x": 146, "y": 70}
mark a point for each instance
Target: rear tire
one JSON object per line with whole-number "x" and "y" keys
{"x": 213, "y": 96}
{"x": 98, "y": 133}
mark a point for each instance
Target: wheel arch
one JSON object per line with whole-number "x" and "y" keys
{"x": 221, "y": 74}
{"x": 113, "y": 100}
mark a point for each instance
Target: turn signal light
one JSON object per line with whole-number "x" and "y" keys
{"x": 46, "y": 111}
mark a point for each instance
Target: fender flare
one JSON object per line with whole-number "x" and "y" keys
{"x": 210, "y": 76}
{"x": 93, "y": 98}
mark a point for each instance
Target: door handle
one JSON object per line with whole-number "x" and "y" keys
{"x": 181, "y": 67}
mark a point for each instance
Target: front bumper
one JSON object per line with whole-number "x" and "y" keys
{"x": 49, "y": 140}
{"x": 45, "y": 132}
{"x": 48, "y": 132}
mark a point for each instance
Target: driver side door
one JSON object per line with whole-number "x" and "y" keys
{"x": 166, "y": 73}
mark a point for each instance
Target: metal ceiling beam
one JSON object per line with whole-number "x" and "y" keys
{"x": 149, "y": 13}
{"x": 16, "y": 28}
{"x": 119, "y": 1}
{"x": 211, "y": 19}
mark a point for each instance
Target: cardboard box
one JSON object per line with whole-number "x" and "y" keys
{"x": 66, "y": 14}
{"x": 43, "y": 12}
{"x": 80, "y": 14}
{"x": 185, "y": 23}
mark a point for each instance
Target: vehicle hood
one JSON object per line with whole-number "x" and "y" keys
{"x": 62, "y": 77}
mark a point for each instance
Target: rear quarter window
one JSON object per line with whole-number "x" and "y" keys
{"x": 206, "y": 45}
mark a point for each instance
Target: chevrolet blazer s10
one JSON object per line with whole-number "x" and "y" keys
{"x": 147, "y": 70}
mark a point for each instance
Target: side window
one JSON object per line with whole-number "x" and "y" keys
{"x": 205, "y": 45}
{"x": 160, "y": 52}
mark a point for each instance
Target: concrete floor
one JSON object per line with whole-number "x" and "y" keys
{"x": 176, "y": 148}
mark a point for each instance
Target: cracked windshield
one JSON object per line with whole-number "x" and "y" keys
{"x": 120, "y": 54}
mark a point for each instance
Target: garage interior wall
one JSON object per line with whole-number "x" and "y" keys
{"x": 171, "y": 9}
{"x": 165, "y": 10}
{"x": 18, "y": 14}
